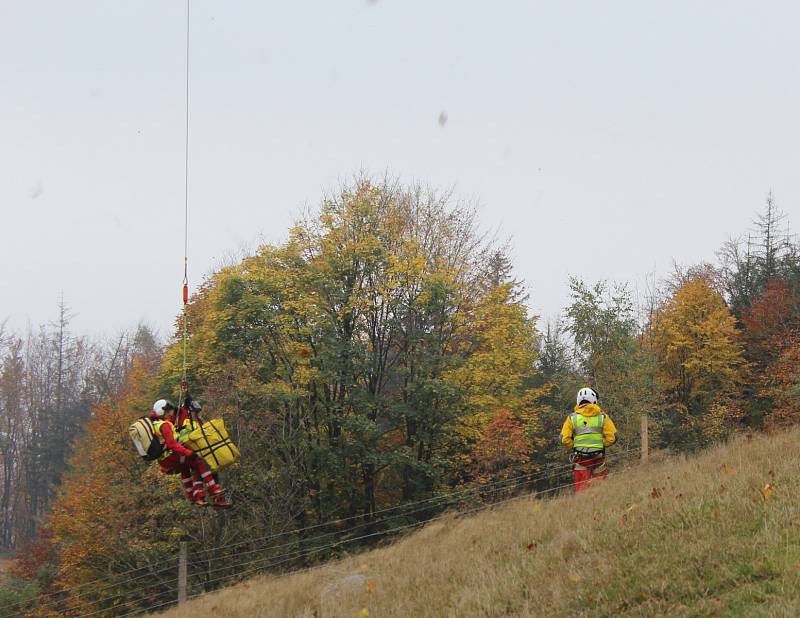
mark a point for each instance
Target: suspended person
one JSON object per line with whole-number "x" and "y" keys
{"x": 189, "y": 419}
{"x": 177, "y": 459}
{"x": 588, "y": 431}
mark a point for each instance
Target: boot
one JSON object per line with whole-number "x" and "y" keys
{"x": 199, "y": 500}
{"x": 219, "y": 501}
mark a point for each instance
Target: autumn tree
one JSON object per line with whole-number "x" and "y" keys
{"x": 701, "y": 367}
{"x": 502, "y": 454}
{"x": 781, "y": 384}
{"x": 769, "y": 321}
{"x": 49, "y": 379}
{"x": 499, "y": 365}
{"x": 50, "y": 384}
{"x": 771, "y": 325}
{"x": 363, "y": 359}
{"x": 114, "y": 514}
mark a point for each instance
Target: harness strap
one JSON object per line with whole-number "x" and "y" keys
{"x": 205, "y": 437}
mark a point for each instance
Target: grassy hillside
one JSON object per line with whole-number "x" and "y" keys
{"x": 712, "y": 535}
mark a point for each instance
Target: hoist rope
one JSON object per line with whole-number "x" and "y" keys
{"x": 186, "y": 209}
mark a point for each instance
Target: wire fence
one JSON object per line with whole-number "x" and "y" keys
{"x": 290, "y": 551}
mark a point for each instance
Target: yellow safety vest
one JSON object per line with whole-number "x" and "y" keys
{"x": 188, "y": 427}
{"x": 157, "y": 431}
{"x": 587, "y": 432}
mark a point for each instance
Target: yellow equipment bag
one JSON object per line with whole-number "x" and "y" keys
{"x": 212, "y": 442}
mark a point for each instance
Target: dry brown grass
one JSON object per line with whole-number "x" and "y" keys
{"x": 684, "y": 537}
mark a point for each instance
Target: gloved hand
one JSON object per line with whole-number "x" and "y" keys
{"x": 194, "y": 406}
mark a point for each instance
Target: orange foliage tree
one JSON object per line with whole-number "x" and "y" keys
{"x": 503, "y": 451}
{"x": 113, "y": 519}
{"x": 768, "y": 322}
{"x": 770, "y": 327}
{"x": 782, "y": 385}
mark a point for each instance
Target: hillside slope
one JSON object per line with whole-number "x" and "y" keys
{"x": 716, "y": 534}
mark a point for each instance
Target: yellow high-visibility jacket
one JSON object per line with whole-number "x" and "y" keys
{"x": 589, "y": 409}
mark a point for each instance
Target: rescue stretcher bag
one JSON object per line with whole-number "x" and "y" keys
{"x": 145, "y": 439}
{"x": 212, "y": 442}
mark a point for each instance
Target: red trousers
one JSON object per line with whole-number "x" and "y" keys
{"x": 194, "y": 473}
{"x": 586, "y": 470}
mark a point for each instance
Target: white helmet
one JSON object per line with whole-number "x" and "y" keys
{"x": 586, "y": 394}
{"x": 162, "y": 406}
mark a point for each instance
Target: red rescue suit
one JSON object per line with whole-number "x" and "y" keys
{"x": 193, "y": 469}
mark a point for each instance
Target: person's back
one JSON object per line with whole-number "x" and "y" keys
{"x": 588, "y": 431}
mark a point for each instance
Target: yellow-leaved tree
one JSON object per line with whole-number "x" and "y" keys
{"x": 360, "y": 363}
{"x": 496, "y": 375}
{"x": 701, "y": 367}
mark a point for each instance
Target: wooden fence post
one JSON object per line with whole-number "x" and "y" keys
{"x": 645, "y": 439}
{"x": 182, "y": 572}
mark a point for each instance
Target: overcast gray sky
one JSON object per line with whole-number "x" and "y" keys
{"x": 606, "y": 138}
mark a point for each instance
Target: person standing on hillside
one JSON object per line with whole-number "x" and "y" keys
{"x": 588, "y": 431}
